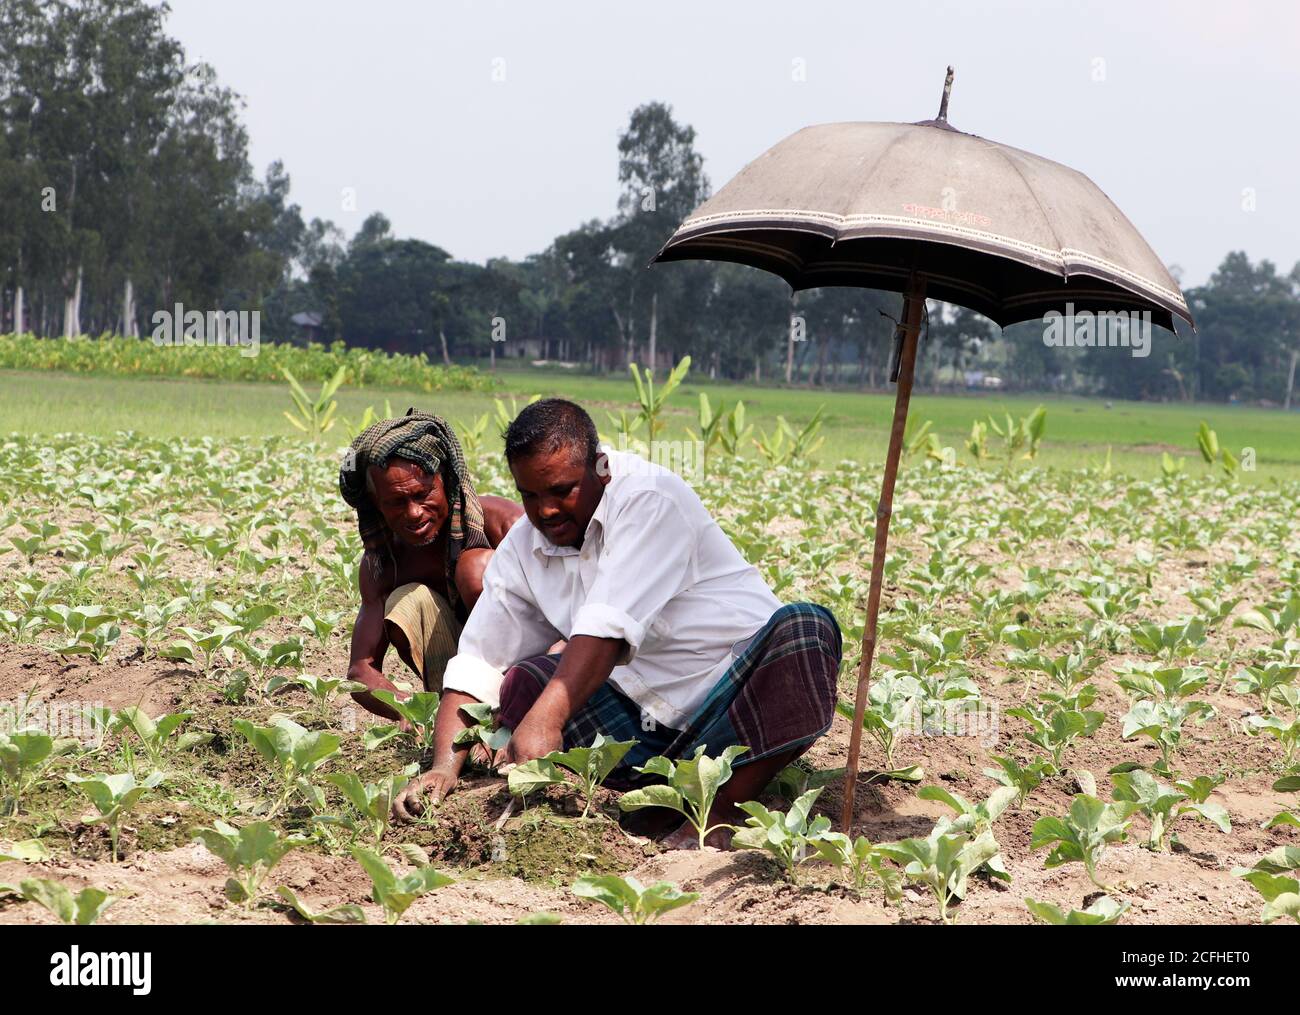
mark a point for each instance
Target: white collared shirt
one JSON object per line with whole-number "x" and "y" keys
{"x": 654, "y": 570}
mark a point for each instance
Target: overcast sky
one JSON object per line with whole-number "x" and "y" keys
{"x": 1196, "y": 102}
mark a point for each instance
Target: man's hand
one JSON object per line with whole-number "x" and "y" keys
{"x": 533, "y": 738}
{"x": 426, "y": 790}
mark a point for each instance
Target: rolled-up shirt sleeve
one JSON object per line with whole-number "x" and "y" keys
{"x": 647, "y": 557}
{"x": 504, "y": 627}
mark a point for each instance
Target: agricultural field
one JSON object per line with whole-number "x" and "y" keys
{"x": 1085, "y": 696}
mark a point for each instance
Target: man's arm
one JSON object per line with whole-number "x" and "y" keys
{"x": 586, "y": 664}
{"x": 370, "y": 643}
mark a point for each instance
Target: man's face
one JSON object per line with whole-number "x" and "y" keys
{"x": 412, "y": 502}
{"x": 560, "y": 493}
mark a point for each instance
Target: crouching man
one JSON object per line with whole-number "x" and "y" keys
{"x": 428, "y": 538}
{"x": 673, "y": 639}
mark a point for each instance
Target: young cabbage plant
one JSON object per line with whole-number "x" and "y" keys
{"x": 1287, "y": 784}
{"x": 396, "y": 894}
{"x": 1168, "y": 642}
{"x": 24, "y": 756}
{"x": 1054, "y": 728}
{"x": 861, "y": 860}
{"x": 113, "y": 797}
{"x": 156, "y": 734}
{"x": 484, "y": 730}
{"x": 1285, "y": 731}
{"x": 335, "y": 914}
{"x": 893, "y": 705}
{"x": 1082, "y": 835}
{"x": 24, "y": 851}
{"x": 1024, "y": 779}
{"x": 250, "y": 852}
{"x": 372, "y": 801}
{"x": 1163, "y": 723}
{"x": 973, "y": 819}
{"x": 1162, "y": 684}
{"x": 324, "y": 691}
{"x": 419, "y": 710}
{"x": 942, "y": 862}
{"x": 591, "y": 764}
{"x": 1163, "y": 805}
{"x": 295, "y": 753}
{"x": 79, "y": 910}
{"x": 1274, "y": 876}
{"x": 691, "y": 788}
{"x": 1267, "y": 682}
{"x": 787, "y": 836}
{"x": 631, "y": 900}
{"x": 1102, "y": 912}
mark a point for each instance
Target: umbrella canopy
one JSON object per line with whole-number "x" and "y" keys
{"x": 993, "y": 228}
{"x": 926, "y": 210}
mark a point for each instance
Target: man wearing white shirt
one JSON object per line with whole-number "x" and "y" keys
{"x": 672, "y": 638}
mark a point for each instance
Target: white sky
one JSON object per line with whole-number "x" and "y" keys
{"x": 395, "y": 99}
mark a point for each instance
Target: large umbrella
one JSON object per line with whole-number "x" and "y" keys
{"x": 929, "y": 211}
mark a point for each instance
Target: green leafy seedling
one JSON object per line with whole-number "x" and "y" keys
{"x": 942, "y": 862}
{"x": 155, "y": 734}
{"x": 81, "y": 910}
{"x": 419, "y": 709}
{"x": 631, "y": 900}
{"x": 1274, "y": 877}
{"x": 250, "y": 852}
{"x": 483, "y": 731}
{"x": 336, "y": 914}
{"x": 590, "y": 764}
{"x": 691, "y": 788}
{"x": 113, "y": 797}
{"x": 1082, "y": 835}
{"x": 1103, "y": 912}
{"x": 371, "y": 800}
{"x": 396, "y": 894}
{"x": 1163, "y": 805}
{"x": 1023, "y": 778}
{"x": 787, "y": 836}
{"x": 294, "y": 752}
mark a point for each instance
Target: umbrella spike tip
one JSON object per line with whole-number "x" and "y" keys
{"x": 947, "y": 91}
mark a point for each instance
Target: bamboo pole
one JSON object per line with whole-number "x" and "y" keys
{"x": 913, "y": 311}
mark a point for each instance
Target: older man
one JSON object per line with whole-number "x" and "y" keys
{"x": 427, "y": 537}
{"x": 673, "y": 639}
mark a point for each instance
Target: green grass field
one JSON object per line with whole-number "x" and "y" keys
{"x": 1078, "y": 430}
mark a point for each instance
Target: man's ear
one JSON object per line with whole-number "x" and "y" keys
{"x": 603, "y": 472}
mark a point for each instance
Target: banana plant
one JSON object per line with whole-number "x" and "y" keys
{"x": 1083, "y": 834}
{"x": 250, "y": 852}
{"x": 113, "y": 797}
{"x": 631, "y": 900}
{"x": 314, "y": 416}
{"x": 692, "y": 786}
{"x": 396, "y": 894}
{"x": 652, "y": 402}
{"x": 942, "y": 862}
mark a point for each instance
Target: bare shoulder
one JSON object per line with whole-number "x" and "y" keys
{"x": 499, "y": 515}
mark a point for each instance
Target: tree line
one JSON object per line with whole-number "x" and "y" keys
{"x": 126, "y": 187}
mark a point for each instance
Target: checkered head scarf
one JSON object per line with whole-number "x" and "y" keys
{"x": 431, "y": 443}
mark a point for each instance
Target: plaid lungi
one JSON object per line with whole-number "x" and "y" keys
{"x": 779, "y": 693}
